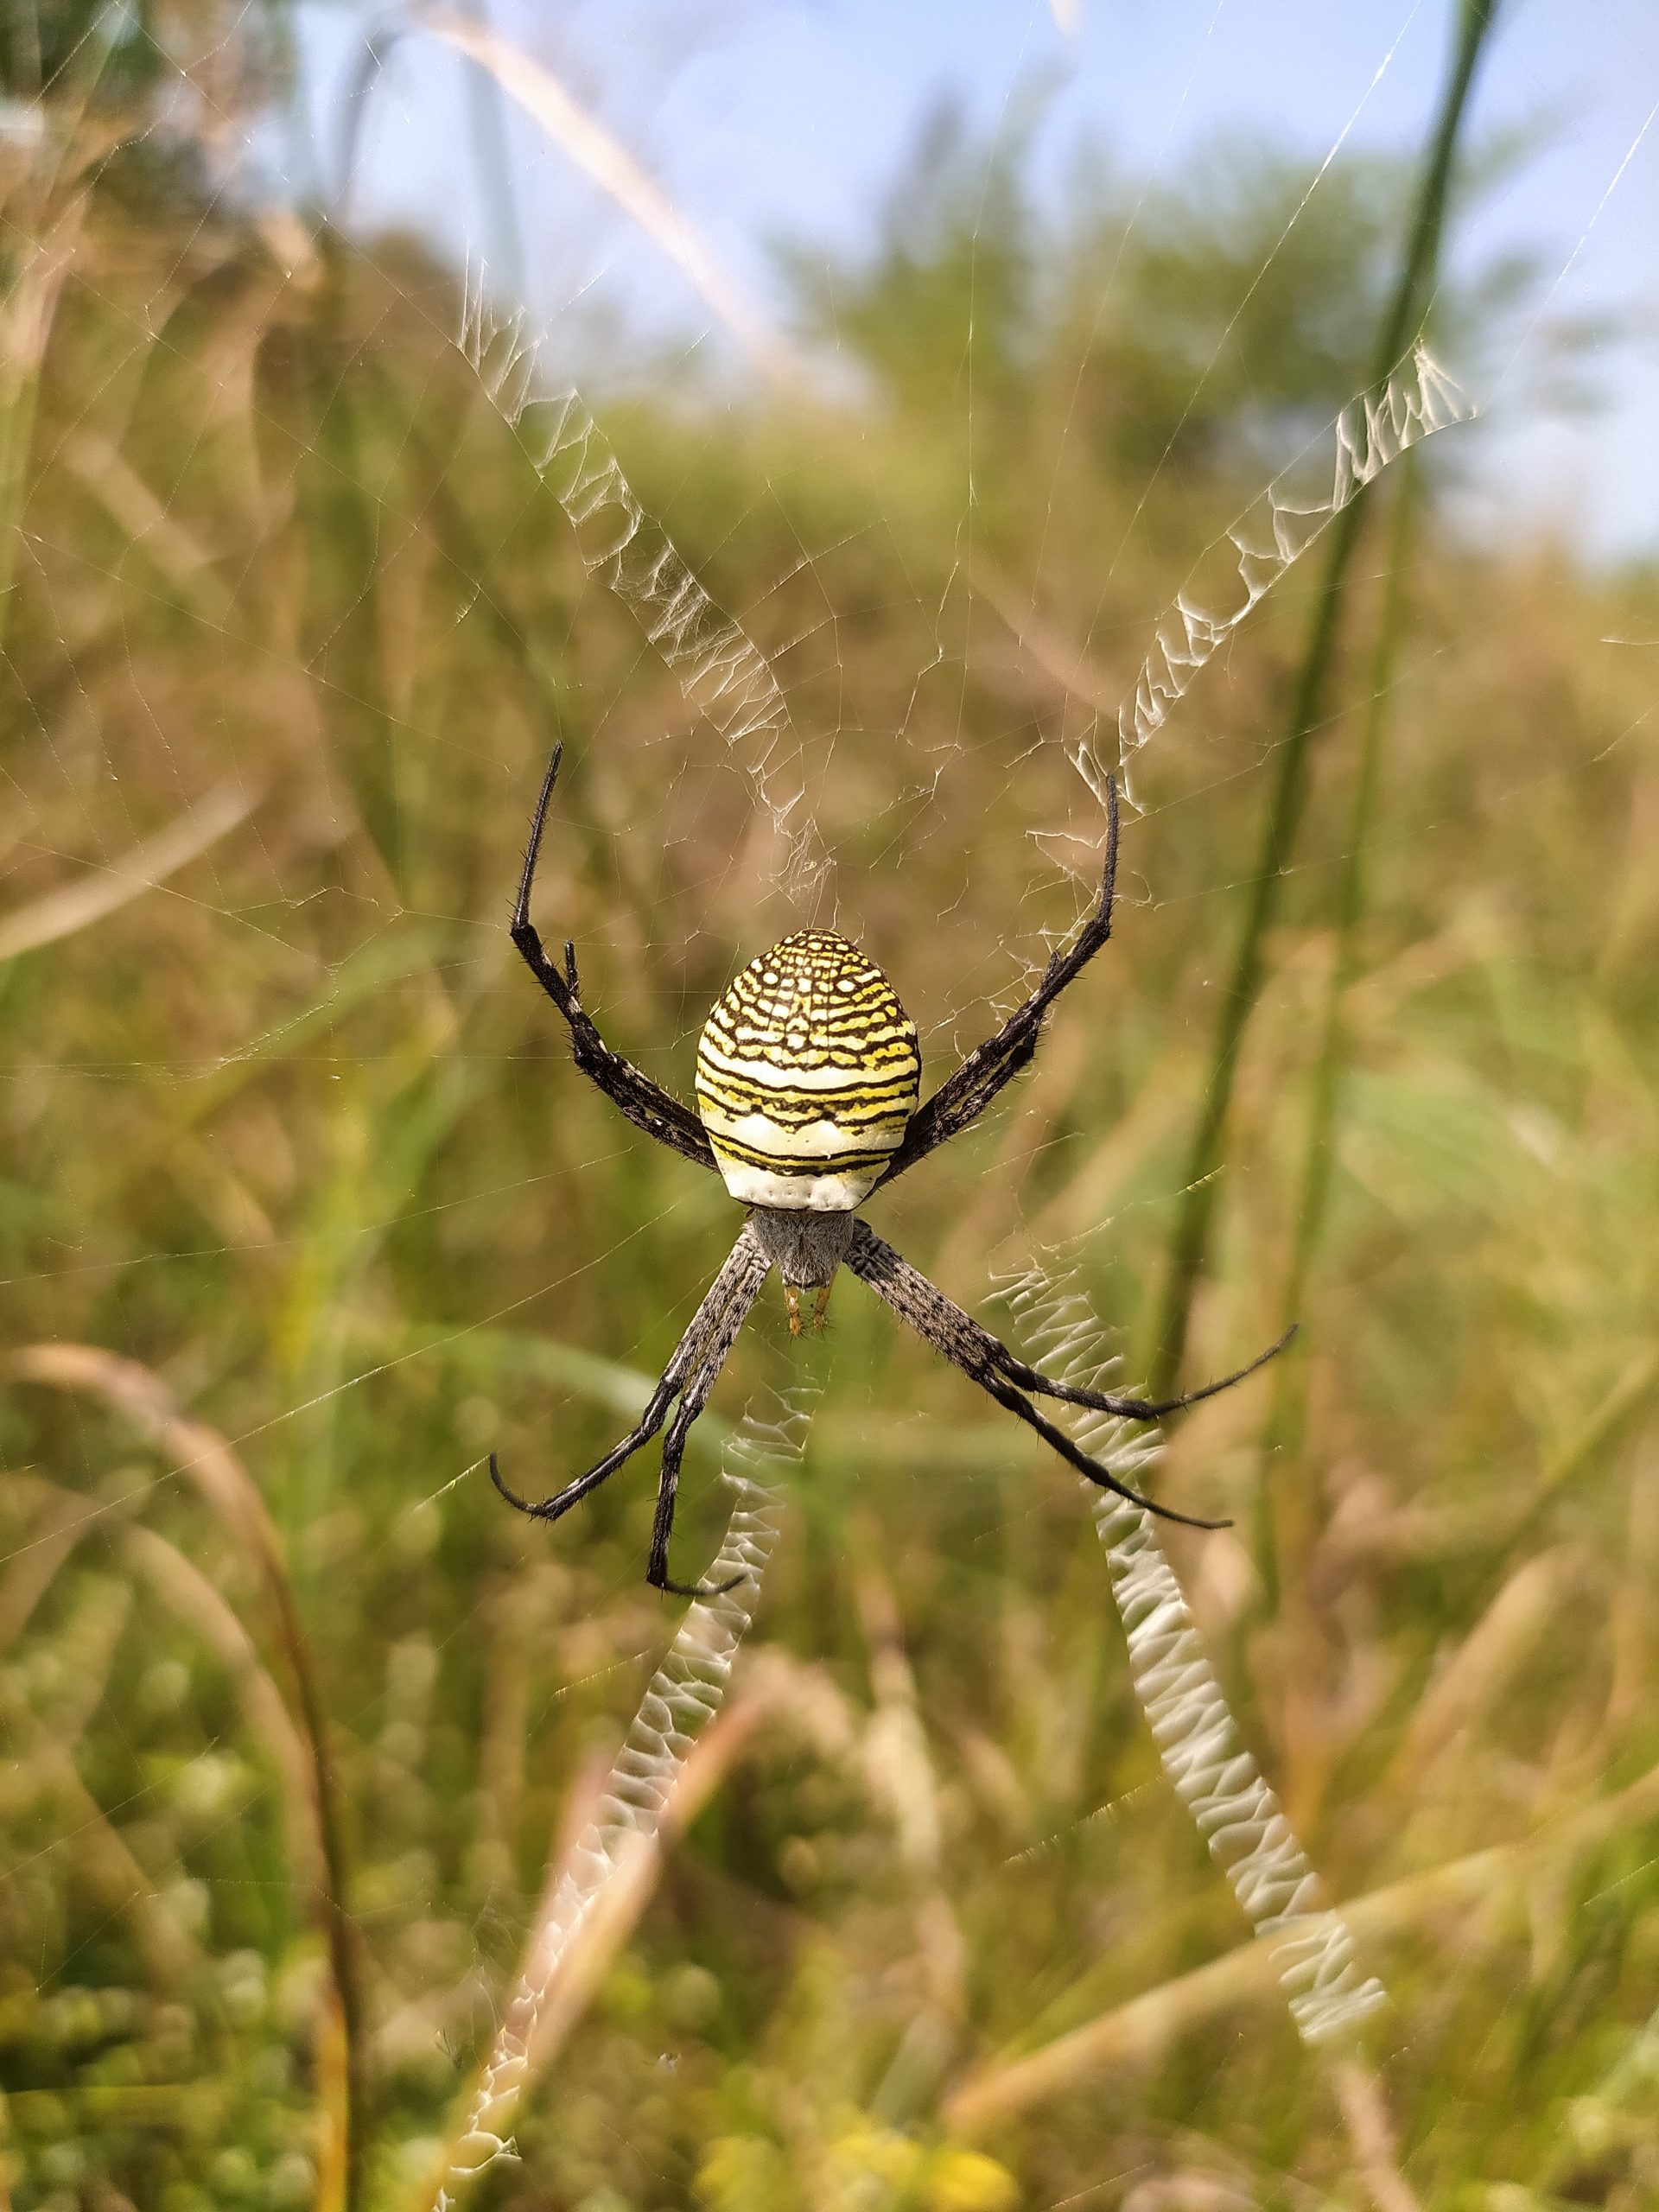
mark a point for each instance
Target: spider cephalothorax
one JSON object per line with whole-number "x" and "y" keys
{"x": 808, "y": 1075}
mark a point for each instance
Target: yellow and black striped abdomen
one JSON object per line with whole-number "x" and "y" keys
{"x": 807, "y": 1072}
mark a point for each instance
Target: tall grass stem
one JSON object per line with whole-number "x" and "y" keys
{"x": 1280, "y": 1515}
{"x": 1190, "y": 1245}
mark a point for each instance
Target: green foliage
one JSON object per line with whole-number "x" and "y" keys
{"x": 294, "y": 1137}
{"x": 1216, "y": 320}
{"x": 1240, "y": 306}
{"x": 104, "y": 55}
{"x": 945, "y": 309}
{"x": 53, "y": 47}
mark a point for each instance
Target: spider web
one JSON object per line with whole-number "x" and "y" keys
{"x": 780, "y": 793}
{"x": 723, "y": 675}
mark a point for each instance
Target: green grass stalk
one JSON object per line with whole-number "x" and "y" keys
{"x": 342, "y": 527}
{"x": 1281, "y": 1515}
{"x": 18, "y": 410}
{"x": 1190, "y": 1245}
{"x": 339, "y": 1930}
{"x": 203, "y": 1454}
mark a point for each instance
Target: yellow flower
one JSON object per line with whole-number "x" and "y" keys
{"x": 967, "y": 2180}
{"x": 740, "y": 2173}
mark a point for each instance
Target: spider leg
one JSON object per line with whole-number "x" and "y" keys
{"x": 1006, "y": 1395}
{"x": 996, "y": 1354}
{"x": 554, "y": 1508}
{"x": 963, "y": 1097}
{"x": 733, "y": 1289}
{"x": 645, "y": 1103}
{"x": 694, "y": 1398}
{"x": 1147, "y": 1409}
{"x": 942, "y": 1324}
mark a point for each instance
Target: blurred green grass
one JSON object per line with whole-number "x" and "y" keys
{"x": 293, "y": 1135}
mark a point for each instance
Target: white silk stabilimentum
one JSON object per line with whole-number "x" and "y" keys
{"x": 721, "y": 672}
{"x": 1198, "y": 1738}
{"x": 1238, "y": 569}
{"x": 685, "y": 1693}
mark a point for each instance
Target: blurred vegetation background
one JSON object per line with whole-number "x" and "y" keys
{"x": 305, "y": 1210}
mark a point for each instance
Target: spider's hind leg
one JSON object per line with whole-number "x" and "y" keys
{"x": 689, "y": 1376}
{"x": 1142, "y": 1408}
{"x": 695, "y": 1397}
{"x": 941, "y": 1322}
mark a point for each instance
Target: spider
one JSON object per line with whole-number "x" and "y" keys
{"x": 807, "y": 1081}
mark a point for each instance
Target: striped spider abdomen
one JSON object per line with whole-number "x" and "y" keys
{"x": 808, "y": 1072}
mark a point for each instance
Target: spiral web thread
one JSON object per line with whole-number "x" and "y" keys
{"x": 1236, "y": 569}
{"x": 683, "y": 1696}
{"x": 721, "y": 672}
{"x": 1198, "y": 1742}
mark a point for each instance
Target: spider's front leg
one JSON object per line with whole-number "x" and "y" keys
{"x": 645, "y": 1103}
{"x": 698, "y": 1385}
{"x": 963, "y": 1097}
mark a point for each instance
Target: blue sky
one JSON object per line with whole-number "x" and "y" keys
{"x": 792, "y": 118}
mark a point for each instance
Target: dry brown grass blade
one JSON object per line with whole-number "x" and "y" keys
{"x": 818, "y": 1715}
{"x": 1068, "y": 668}
{"x": 995, "y": 1212}
{"x": 203, "y": 1455}
{"x": 171, "y": 1957}
{"x": 134, "y": 509}
{"x": 1522, "y": 1610}
{"x": 1628, "y": 1398}
{"x": 42, "y": 1766}
{"x": 113, "y": 884}
{"x": 27, "y": 305}
{"x": 32, "y": 1566}
{"x": 332, "y": 2060}
{"x": 900, "y": 1769}
{"x": 30, "y": 301}
{"x": 616, "y": 173}
{"x": 604, "y": 1875}
{"x": 186, "y": 1591}
{"x": 1365, "y": 2115}
{"x": 1105, "y": 1170}
{"x": 603, "y": 1934}
{"x": 197, "y": 1451}
{"x": 1132, "y": 2034}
